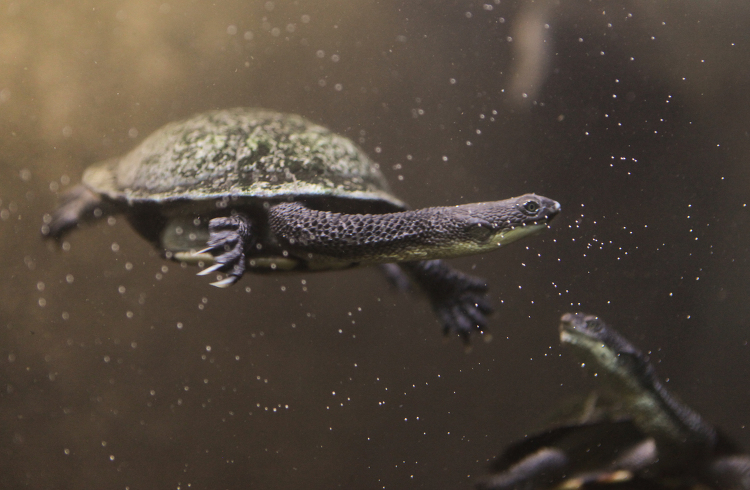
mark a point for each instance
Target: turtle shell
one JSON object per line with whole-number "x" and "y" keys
{"x": 241, "y": 153}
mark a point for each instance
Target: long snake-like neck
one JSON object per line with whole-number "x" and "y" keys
{"x": 671, "y": 422}
{"x": 407, "y": 235}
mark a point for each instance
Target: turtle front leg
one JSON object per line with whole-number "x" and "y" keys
{"x": 459, "y": 300}
{"x": 229, "y": 238}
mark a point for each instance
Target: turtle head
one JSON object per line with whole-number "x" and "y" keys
{"x": 496, "y": 223}
{"x": 605, "y": 351}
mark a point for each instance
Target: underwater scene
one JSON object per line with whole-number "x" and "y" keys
{"x": 253, "y": 244}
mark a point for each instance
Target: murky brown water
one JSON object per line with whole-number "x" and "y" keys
{"x": 122, "y": 370}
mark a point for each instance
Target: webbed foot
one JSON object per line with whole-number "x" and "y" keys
{"x": 465, "y": 311}
{"x": 459, "y": 300}
{"x": 229, "y": 237}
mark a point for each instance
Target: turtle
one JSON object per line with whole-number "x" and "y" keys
{"x": 254, "y": 189}
{"x": 642, "y": 437}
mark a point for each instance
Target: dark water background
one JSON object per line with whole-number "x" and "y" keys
{"x": 634, "y": 115}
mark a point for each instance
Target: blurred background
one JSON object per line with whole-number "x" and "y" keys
{"x": 121, "y": 370}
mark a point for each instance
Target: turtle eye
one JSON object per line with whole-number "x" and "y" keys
{"x": 594, "y": 325}
{"x": 531, "y": 207}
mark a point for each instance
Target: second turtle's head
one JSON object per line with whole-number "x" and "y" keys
{"x": 605, "y": 351}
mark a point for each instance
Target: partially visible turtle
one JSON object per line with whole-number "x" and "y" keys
{"x": 254, "y": 188}
{"x": 644, "y": 439}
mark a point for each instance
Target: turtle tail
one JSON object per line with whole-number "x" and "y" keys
{"x": 79, "y": 204}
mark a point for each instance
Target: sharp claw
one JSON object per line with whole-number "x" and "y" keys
{"x": 228, "y": 238}
{"x": 209, "y": 270}
{"x": 225, "y": 283}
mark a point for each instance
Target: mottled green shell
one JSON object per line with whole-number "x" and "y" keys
{"x": 240, "y": 153}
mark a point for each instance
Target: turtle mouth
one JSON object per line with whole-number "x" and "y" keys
{"x": 516, "y": 233}
{"x": 565, "y": 336}
{"x": 550, "y": 211}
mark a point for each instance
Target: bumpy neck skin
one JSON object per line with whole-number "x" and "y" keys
{"x": 424, "y": 234}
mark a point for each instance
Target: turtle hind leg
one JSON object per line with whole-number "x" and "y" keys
{"x": 459, "y": 300}
{"x": 78, "y": 205}
{"x": 229, "y": 237}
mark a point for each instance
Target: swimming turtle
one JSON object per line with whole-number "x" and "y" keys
{"x": 253, "y": 188}
{"x": 642, "y": 438}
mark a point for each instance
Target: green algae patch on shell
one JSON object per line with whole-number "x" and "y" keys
{"x": 240, "y": 153}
